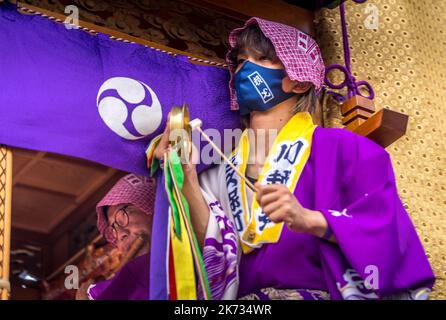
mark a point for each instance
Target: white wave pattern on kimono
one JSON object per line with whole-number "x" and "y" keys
{"x": 221, "y": 249}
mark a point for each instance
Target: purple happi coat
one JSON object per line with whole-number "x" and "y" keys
{"x": 129, "y": 283}
{"x": 351, "y": 181}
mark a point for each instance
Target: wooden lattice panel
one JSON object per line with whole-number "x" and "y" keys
{"x": 5, "y": 218}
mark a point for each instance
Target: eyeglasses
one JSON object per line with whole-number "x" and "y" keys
{"x": 122, "y": 220}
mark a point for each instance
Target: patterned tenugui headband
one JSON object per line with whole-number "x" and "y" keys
{"x": 298, "y": 52}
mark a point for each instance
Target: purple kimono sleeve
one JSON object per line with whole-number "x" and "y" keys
{"x": 129, "y": 283}
{"x": 372, "y": 228}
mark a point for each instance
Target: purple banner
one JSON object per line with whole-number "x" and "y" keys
{"x": 69, "y": 92}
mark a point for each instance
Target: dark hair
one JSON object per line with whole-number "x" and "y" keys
{"x": 307, "y": 101}
{"x": 105, "y": 210}
{"x": 253, "y": 38}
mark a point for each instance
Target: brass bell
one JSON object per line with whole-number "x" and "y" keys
{"x": 180, "y": 138}
{"x": 180, "y": 132}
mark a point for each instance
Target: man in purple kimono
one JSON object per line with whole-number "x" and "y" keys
{"x": 325, "y": 220}
{"x": 125, "y": 220}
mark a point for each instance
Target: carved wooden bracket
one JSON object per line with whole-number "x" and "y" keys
{"x": 383, "y": 127}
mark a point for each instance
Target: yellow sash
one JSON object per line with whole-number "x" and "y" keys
{"x": 183, "y": 264}
{"x": 284, "y": 165}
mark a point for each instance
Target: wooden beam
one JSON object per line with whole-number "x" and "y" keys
{"x": 92, "y": 188}
{"x": 24, "y": 235}
{"x": 88, "y": 192}
{"x": 27, "y": 8}
{"x": 356, "y": 114}
{"x": 43, "y": 189}
{"x": 72, "y": 221}
{"x": 384, "y": 127}
{"x": 25, "y": 168}
{"x": 274, "y": 10}
{"x": 83, "y": 210}
{"x": 357, "y": 102}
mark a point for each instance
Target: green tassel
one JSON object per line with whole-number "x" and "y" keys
{"x": 173, "y": 204}
{"x": 177, "y": 170}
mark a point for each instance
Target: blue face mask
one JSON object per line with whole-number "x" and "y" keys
{"x": 259, "y": 88}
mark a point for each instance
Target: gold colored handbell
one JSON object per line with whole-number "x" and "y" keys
{"x": 181, "y": 141}
{"x": 180, "y": 131}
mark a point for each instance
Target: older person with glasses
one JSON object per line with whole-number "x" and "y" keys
{"x": 124, "y": 217}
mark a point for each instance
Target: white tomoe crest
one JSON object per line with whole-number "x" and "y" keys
{"x": 114, "y": 110}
